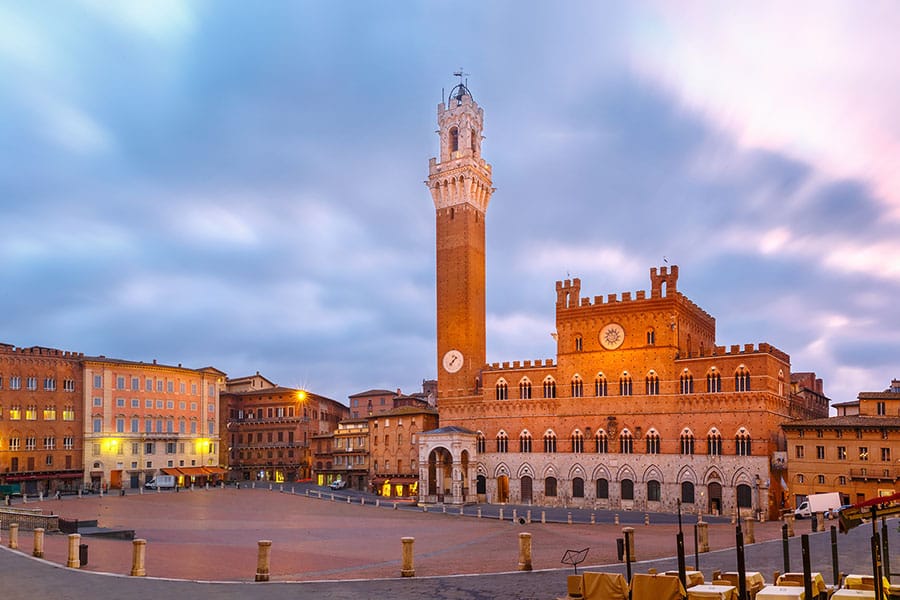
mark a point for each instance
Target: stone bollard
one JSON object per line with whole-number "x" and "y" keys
{"x": 395, "y": 506}
{"x": 569, "y": 518}
{"x": 158, "y": 490}
{"x": 24, "y": 498}
{"x": 819, "y": 521}
{"x": 408, "y": 570}
{"x": 141, "y": 490}
{"x": 703, "y": 537}
{"x": 628, "y": 532}
{"x": 282, "y": 488}
{"x": 479, "y": 512}
{"x": 444, "y": 509}
{"x": 377, "y": 502}
{"x": 362, "y": 501}
{"x": 14, "y": 535}
{"x": 332, "y": 497}
{"x": 749, "y": 534}
{"x": 524, "y": 551}
{"x": 461, "y": 511}
{"x": 40, "y": 496}
{"x": 73, "y": 562}
{"x": 38, "y": 542}
{"x": 320, "y": 495}
{"x": 616, "y": 520}
{"x": 528, "y": 516}
{"x": 253, "y": 485}
{"x": 424, "y": 508}
{"x": 262, "y": 560}
{"x": 348, "y": 499}
{"x": 646, "y": 519}
{"x": 593, "y": 519}
{"x": 543, "y": 517}
{"x": 501, "y": 514}
{"x": 207, "y": 486}
{"x": 515, "y": 515}
{"x": 138, "y": 555}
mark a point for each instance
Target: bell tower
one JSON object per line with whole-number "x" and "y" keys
{"x": 460, "y": 184}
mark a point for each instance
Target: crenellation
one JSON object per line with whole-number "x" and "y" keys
{"x": 641, "y": 295}
{"x": 626, "y": 296}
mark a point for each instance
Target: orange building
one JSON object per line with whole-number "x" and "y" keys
{"x": 41, "y": 419}
{"x": 393, "y": 449}
{"x": 148, "y": 419}
{"x": 852, "y": 453}
{"x": 640, "y": 409}
{"x": 269, "y": 429}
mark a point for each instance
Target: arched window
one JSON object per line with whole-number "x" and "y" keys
{"x": 578, "y": 487}
{"x": 549, "y": 442}
{"x": 742, "y": 380}
{"x": 713, "y": 381}
{"x": 549, "y": 387}
{"x": 651, "y": 384}
{"x": 687, "y": 383}
{"x": 454, "y": 139}
{"x": 652, "y": 442}
{"x": 687, "y": 492}
{"x": 577, "y": 442}
{"x": 525, "y": 442}
{"x": 651, "y": 337}
{"x": 801, "y": 478}
{"x": 525, "y": 389}
{"x": 502, "y": 390}
{"x": 577, "y": 387}
{"x": 742, "y": 443}
{"x": 714, "y": 443}
{"x": 687, "y": 442}
{"x": 579, "y": 343}
{"x": 502, "y": 442}
{"x": 480, "y": 443}
{"x": 602, "y": 489}
{"x": 626, "y": 442}
{"x": 550, "y": 487}
{"x": 627, "y": 489}
{"x": 625, "y": 384}
{"x": 600, "y": 388}
{"x": 744, "y": 496}
{"x": 653, "y": 491}
{"x": 481, "y": 484}
{"x": 602, "y": 442}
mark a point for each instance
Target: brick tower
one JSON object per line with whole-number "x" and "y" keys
{"x": 460, "y": 184}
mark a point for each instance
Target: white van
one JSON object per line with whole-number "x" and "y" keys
{"x": 163, "y": 482}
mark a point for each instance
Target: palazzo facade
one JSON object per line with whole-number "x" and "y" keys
{"x": 639, "y": 410}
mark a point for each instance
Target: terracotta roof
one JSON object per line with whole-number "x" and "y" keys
{"x": 848, "y": 421}
{"x": 406, "y": 410}
{"x": 374, "y": 393}
{"x": 450, "y": 429}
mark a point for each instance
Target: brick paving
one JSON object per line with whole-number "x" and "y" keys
{"x": 211, "y": 536}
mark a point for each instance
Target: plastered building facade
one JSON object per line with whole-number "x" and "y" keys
{"x": 640, "y": 409}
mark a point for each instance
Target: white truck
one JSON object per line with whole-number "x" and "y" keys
{"x": 827, "y": 503}
{"x": 164, "y": 482}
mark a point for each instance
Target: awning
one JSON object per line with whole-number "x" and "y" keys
{"x": 39, "y": 476}
{"x": 192, "y": 471}
{"x": 171, "y": 471}
{"x": 396, "y": 480}
{"x": 215, "y": 470}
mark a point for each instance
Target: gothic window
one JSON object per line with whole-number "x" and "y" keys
{"x": 578, "y": 487}
{"x": 577, "y": 442}
{"x": 651, "y": 337}
{"x": 652, "y": 442}
{"x": 502, "y": 390}
{"x": 653, "y": 491}
{"x": 600, "y": 388}
{"x": 550, "y": 487}
{"x": 502, "y": 442}
{"x": 602, "y": 489}
{"x": 742, "y": 443}
{"x": 687, "y": 383}
{"x": 687, "y": 492}
{"x": 577, "y": 387}
{"x": 714, "y": 443}
{"x": 651, "y": 383}
{"x": 602, "y": 442}
{"x": 626, "y": 442}
{"x": 549, "y": 442}
{"x": 627, "y": 489}
{"x": 742, "y": 380}
{"x": 687, "y": 443}
{"x": 525, "y": 442}
{"x": 579, "y": 343}
{"x": 625, "y": 386}
{"x": 480, "y": 443}
{"x": 713, "y": 381}
{"x": 549, "y": 388}
{"x": 454, "y": 139}
{"x": 744, "y": 496}
{"x": 525, "y": 389}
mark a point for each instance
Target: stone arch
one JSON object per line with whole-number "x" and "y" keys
{"x": 601, "y": 472}
{"x": 525, "y": 469}
{"x": 550, "y": 471}
{"x": 653, "y": 472}
{"x": 577, "y": 471}
{"x": 501, "y": 470}
{"x": 625, "y": 472}
{"x": 480, "y": 469}
{"x": 686, "y": 473}
{"x": 713, "y": 474}
{"x": 741, "y": 475}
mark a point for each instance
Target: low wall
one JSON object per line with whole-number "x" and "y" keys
{"x": 28, "y": 520}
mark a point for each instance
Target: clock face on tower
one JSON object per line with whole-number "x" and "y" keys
{"x": 452, "y": 361}
{"x": 612, "y": 336}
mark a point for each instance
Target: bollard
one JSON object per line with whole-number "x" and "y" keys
{"x": 253, "y": 485}
{"x": 616, "y": 520}
{"x": 444, "y": 509}
{"x": 524, "y": 551}
{"x": 478, "y": 513}
{"x": 424, "y": 508}
{"x": 646, "y": 519}
{"x": 207, "y": 486}
{"x": 818, "y": 522}
{"x": 38, "y": 542}
{"x": 408, "y": 570}
{"x": 377, "y": 502}
{"x": 528, "y": 516}
{"x": 703, "y": 536}
{"x": 569, "y": 518}
{"x": 270, "y": 487}
{"x": 41, "y": 497}
{"x": 593, "y": 519}
{"x": 461, "y": 512}
{"x": 628, "y": 532}
{"x": 395, "y": 506}
{"x": 332, "y": 497}
{"x": 14, "y": 535}
{"x": 73, "y": 561}
{"x": 362, "y": 501}
{"x": 141, "y": 490}
{"x": 749, "y": 534}
{"x": 262, "y": 560}
{"x": 348, "y": 499}
{"x": 138, "y": 554}
{"x": 515, "y": 515}
{"x": 789, "y": 521}
{"x": 24, "y": 498}
{"x": 501, "y": 514}
{"x": 543, "y": 517}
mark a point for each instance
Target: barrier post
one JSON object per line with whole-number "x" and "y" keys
{"x": 138, "y": 554}
{"x": 262, "y": 560}
{"x": 73, "y": 561}
{"x": 524, "y": 551}
{"x": 408, "y": 569}
{"x": 14, "y": 535}
{"x": 38, "y": 542}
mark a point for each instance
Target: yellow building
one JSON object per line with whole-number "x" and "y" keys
{"x": 853, "y": 453}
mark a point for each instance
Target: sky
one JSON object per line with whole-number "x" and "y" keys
{"x": 240, "y": 185}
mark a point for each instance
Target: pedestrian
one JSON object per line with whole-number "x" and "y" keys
{"x": 57, "y": 494}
